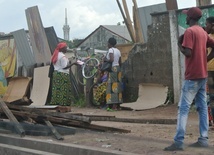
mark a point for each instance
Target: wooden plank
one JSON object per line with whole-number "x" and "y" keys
{"x": 134, "y": 120}
{"x": 67, "y": 122}
{"x": 126, "y": 22}
{"x": 12, "y": 118}
{"x": 54, "y": 131}
{"x": 129, "y": 22}
{"x": 54, "y": 114}
{"x": 38, "y": 37}
{"x": 70, "y": 116}
{"x": 137, "y": 25}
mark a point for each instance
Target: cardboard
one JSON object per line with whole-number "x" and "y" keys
{"x": 40, "y": 86}
{"x": 150, "y": 96}
{"x": 17, "y": 89}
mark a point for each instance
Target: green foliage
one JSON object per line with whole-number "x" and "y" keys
{"x": 80, "y": 102}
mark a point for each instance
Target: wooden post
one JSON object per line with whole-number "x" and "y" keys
{"x": 53, "y": 130}
{"x": 89, "y": 83}
{"x": 129, "y": 22}
{"x": 137, "y": 25}
{"x": 126, "y": 22}
{"x": 12, "y": 118}
{"x": 203, "y": 2}
{"x": 171, "y": 4}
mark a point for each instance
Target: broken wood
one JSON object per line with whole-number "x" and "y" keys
{"x": 70, "y": 116}
{"x": 67, "y": 122}
{"x": 24, "y": 101}
{"x": 54, "y": 114}
{"x": 12, "y": 118}
{"x": 54, "y": 131}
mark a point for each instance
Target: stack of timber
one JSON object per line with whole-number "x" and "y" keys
{"x": 51, "y": 118}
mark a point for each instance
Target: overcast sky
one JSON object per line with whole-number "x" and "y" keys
{"x": 84, "y": 16}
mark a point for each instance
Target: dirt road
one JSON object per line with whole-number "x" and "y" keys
{"x": 147, "y": 139}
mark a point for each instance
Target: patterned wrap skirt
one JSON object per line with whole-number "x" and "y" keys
{"x": 114, "y": 86}
{"x": 61, "y": 89}
{"x": 100, "y": 93}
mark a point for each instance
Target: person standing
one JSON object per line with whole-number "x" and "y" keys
{"x": 61, "y": 84}
{"x": 210, "y": 62}
{"x": 193, "y": 45}
{"x": 114, "y": 87}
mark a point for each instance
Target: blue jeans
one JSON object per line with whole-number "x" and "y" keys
{"x": 192, "y": 89}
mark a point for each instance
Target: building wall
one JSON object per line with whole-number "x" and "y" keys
{"x": 146, "y": 18}
{"x": 159, "y": 61}
{"x": 150, "y": 62}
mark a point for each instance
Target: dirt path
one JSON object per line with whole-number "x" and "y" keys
{"x": 144, "y": 138}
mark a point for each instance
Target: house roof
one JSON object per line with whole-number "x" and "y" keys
{"x": 119, "y": 30}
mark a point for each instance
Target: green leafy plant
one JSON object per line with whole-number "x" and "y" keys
{"x": 80, "y": 102}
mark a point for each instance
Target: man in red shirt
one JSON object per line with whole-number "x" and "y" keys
{"x": 193, "y": 45}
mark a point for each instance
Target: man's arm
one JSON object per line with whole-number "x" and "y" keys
{"x": 186, "y": 51}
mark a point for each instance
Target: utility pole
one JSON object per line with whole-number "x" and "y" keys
{"x": 203, "y": 2}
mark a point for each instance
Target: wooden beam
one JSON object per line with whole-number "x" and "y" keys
{"x": 12, "y": 118}
{"x": 53, "y": 114}
{"x": 129, "y": 22}
{"x": 134, "y": 120}
{"x": 67, "y": 122}
{"x": 38, "y": 36}
{"x": 171, "y": 4}
{"x": 126, "y": 22}
{"x": 53, "y": 130}
{"x": 137, "y": 25}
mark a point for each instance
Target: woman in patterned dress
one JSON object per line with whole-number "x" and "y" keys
{"x": 61, "y": 84}
{"x": 114, "y": 86}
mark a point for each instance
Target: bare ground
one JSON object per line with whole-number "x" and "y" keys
{"x": 147, "y": 138}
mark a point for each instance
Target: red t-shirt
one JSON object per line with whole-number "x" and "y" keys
{"x": 196, "y": 39}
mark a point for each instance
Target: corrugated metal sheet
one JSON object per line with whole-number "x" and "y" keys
{"x": 52, "y": 38}
{"x": 23, "y": 47}
{"x": 145, "y": 17}
{"x": 121, "y": 30}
